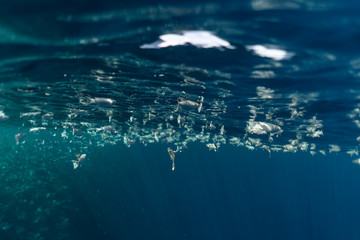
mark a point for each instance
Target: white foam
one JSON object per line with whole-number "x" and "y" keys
{"x": 198, "y": 38}
{"x": 273, "y": 53}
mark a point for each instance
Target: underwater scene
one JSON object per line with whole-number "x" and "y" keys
{"x": 179, "y": 120}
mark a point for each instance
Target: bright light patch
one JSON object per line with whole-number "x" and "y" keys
{"x": 200, "y": 39}
{"x": 276, "y": 54}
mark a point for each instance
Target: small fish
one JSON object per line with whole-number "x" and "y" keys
{"x": 172, "y": 157}
{"x": 267, "y": 148}
{"x": 187, "y": 103}
{"x": 77, "y": 162}
{"x": 334, "y": 148}
{"x": 211, "y": 146}
{"x": 36, "y": 129}
{"x": 201, "y": 104}
{"x": 222, "y": 130}
{"x": 29, "y": 114}
{"x": 77, "y": 132}
{"x": 47, "y": 116}
{"x": 356, "y": 161}
{"x": 3, "y": 117}
{"x": 102, "y": 102}
{"x": 19, "y": 137}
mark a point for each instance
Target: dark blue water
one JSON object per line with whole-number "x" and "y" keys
{"x": 179, "y": 120}
{"x": 232, "y": 194}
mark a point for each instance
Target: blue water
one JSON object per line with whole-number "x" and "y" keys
{"x": 179, "y": 120}
{"x": 232, "y": 194}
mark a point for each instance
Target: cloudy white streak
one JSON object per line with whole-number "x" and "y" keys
{"x": 197, "y": 38}
{"x": 273, "y": 53}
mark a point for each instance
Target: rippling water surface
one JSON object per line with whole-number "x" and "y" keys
{"x": 258, "y": 79}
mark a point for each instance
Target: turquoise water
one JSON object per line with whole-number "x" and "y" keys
{"x": 179, "y": 120}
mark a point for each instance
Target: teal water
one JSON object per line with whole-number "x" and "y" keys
{"x": 179, "y": 120}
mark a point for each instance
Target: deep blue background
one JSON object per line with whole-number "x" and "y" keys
{"x": 230, "y": 194}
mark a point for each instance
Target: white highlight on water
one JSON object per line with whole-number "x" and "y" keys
{"x": 197, "y": 38}
{"x": 273, "y": 53}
